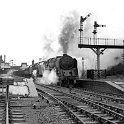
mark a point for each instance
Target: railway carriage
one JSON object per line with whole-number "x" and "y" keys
{"x": 24, "y": 72}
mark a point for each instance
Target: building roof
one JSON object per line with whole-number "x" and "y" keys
{"x": 15, "y": 67}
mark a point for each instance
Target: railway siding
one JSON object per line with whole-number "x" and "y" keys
{"x": 37, "y": 110}
{"x": 92, "y": 110}
{"x": 26, "y": 109}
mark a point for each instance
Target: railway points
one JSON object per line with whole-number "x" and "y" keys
{"x": 104, "y": 114}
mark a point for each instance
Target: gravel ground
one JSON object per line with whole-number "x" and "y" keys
{"x": 44, "y": 113}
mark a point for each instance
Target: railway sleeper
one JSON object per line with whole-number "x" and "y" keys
{"x": 76, "y": 116}
{"x": 97, "y": 114}
{"x": 106, "y": 118}
{"x": 85, "y": 118}
{"x": 114, "y": 108}
{"x": 109, "y": 107}
{"x": 106, "y": 110}
{"x": 104, "y": 121}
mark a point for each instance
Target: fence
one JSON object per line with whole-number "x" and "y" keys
{"x": 96, "y": 74}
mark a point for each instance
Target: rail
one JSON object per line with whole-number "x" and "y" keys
{"x": 7, "y": 112}
{"x": 7, "y": 104}
{"x": 70, "y": 112}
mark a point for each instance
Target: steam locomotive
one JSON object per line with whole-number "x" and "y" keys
{"x": 64, "y": 66}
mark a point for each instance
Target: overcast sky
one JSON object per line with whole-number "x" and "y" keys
{"x": 24, "y": 23}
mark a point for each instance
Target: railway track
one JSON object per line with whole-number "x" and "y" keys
{"x": 9, "y": 113}
{"x": 113, "y": 100}
{"x": 60, "y": 108}
{"x": 15, "y": 113}
{"x": 99, "y": 96}
{"x": 110, "y": 102}
{"x": 2, "y": 109}
{"x": 66, "y": 112}
{"x": 111, "y": 97}
{"x": 86, "y": 110}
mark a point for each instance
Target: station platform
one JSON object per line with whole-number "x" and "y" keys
{"x": 118, "y": 85}
{"x": 24, "y": 87}
{"x": 105, "y": 86}
{"x": 31, "y": 87}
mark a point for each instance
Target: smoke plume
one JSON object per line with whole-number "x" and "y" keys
{"x": 51, "y": 48}
{"x": 68, "y": 31}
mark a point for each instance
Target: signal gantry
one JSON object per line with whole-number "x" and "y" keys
{"x": 98, "y": 45}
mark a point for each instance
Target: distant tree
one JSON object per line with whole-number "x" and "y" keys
{"x": 122, "y": 57}
{"x": 116, "y": 69}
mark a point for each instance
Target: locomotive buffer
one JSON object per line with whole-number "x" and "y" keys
{"x": 98, "y": 45}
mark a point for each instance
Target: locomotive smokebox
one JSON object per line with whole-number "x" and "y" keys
{"x": 32, "y": 62}
{"x": 66, "y": 62}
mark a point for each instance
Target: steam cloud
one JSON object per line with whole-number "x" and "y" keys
{"x": 51, "y": 48}
{"x": 49, "y": 77}
{"x": 34, "y": 73}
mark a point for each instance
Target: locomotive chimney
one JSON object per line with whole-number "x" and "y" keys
{"x": 64, "y": 54}
{"x": 4, "y": 58}
{"x": 32, "y": 62}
